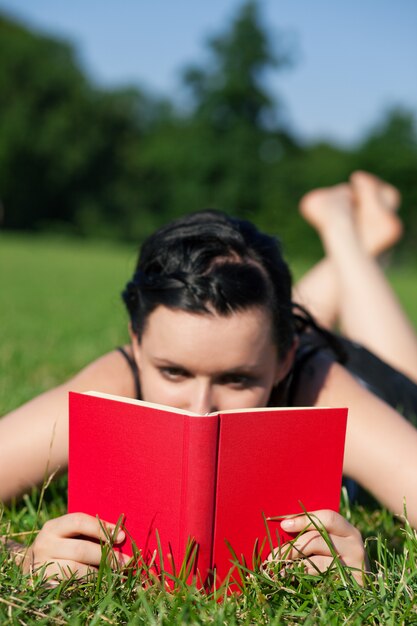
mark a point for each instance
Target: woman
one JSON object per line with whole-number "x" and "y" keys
{"x": 213, "y": 327}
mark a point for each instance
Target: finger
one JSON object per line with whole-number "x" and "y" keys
{"x": 307, "y": 544}
{"x": 331, "y": 521}
{"x": 65, "y": 569}
{"x": 348, "y": 551}
{"x": 76, "y": 524}
{"x": 313, "y": 543}
{"x": 119, "y": 560}
{"x": 318, "y": 564}
{"x": 314, "y": 565}
{"x": 78, "y": 550}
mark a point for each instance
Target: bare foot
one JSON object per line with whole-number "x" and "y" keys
{"x": 329, "y": 209}
{"x": 376, "y": 202}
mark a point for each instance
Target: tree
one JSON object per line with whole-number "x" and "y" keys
{"x": 121, "y": 163}
{"x": 220, "y": 152}
{"x": 67, "y": 150}
{"x": 230, "y": 91}
{"x": 38, "y": 83}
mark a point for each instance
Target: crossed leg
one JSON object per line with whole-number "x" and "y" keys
{"x": 356, "y": 222}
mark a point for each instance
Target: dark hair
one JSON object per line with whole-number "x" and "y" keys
{"x": 206, "y": 262}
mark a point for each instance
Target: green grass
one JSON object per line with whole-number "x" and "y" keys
{"x": 59, "y": 308}
{"x": 267, "y": 597}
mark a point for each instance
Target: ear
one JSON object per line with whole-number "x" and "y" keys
{"x": 287, "y": 362}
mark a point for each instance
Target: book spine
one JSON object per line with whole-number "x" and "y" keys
{"x": 199, "y": 488}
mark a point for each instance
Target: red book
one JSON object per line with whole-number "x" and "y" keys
{"x": 212, "y": 479}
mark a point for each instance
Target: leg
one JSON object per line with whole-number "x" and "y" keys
{"x": 378, "y": 228}
{"x": 318, "y": 292}
{"x": 368, "y": 310}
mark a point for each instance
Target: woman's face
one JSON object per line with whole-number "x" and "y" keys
{"x": 207, "y": 362}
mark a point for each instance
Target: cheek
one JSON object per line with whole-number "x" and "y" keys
{"x": 264, "y": 391}
{"x": 261, "y": 397}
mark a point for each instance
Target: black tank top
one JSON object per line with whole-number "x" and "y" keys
{"x": 134, "y": 369}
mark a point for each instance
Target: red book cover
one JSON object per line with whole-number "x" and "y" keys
{"x": 212, "y": 479}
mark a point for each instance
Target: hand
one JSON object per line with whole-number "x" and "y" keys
{"x": 70, "y": 545}
{"x": 311, "y": 549}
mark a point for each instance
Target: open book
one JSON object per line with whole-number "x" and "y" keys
{"x": 213, "y": 479}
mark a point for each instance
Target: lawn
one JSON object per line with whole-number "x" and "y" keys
{"x": 59, "y": 308}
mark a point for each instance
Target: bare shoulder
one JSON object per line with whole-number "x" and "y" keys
{"x": 109, "y": 373}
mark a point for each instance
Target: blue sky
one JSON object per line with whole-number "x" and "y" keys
{"x": 354, "y": 59}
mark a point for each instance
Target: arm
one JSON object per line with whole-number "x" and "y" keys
{"x": 381, "y": 446}
{"x": 34, "y": 437}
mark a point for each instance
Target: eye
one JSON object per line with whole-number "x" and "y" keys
{"x": 237, "y": 381}
{"x": 175, "y": 374}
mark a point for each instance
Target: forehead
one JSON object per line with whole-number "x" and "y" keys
{"x": 209, "y": 341}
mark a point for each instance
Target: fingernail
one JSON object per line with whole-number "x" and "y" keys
{"x": 286, "y": 524}
{"x": 120, "y": 535}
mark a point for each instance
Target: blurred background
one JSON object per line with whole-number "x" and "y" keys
{"x": 116, "y": 117}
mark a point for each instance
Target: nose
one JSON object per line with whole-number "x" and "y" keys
{"x": 202, "y": 400}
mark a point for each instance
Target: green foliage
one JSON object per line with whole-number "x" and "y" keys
{"x": 269, "y": 595}
{"x": 233, "y": 120}
{"x": 39, "y": 84}
{"x": 229, "y": 92}
{"x": 117, "y": 164}
{"x": 214, "y": 155}
{"x": 66, "y": 149}
{"x": 285, "y": 183}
